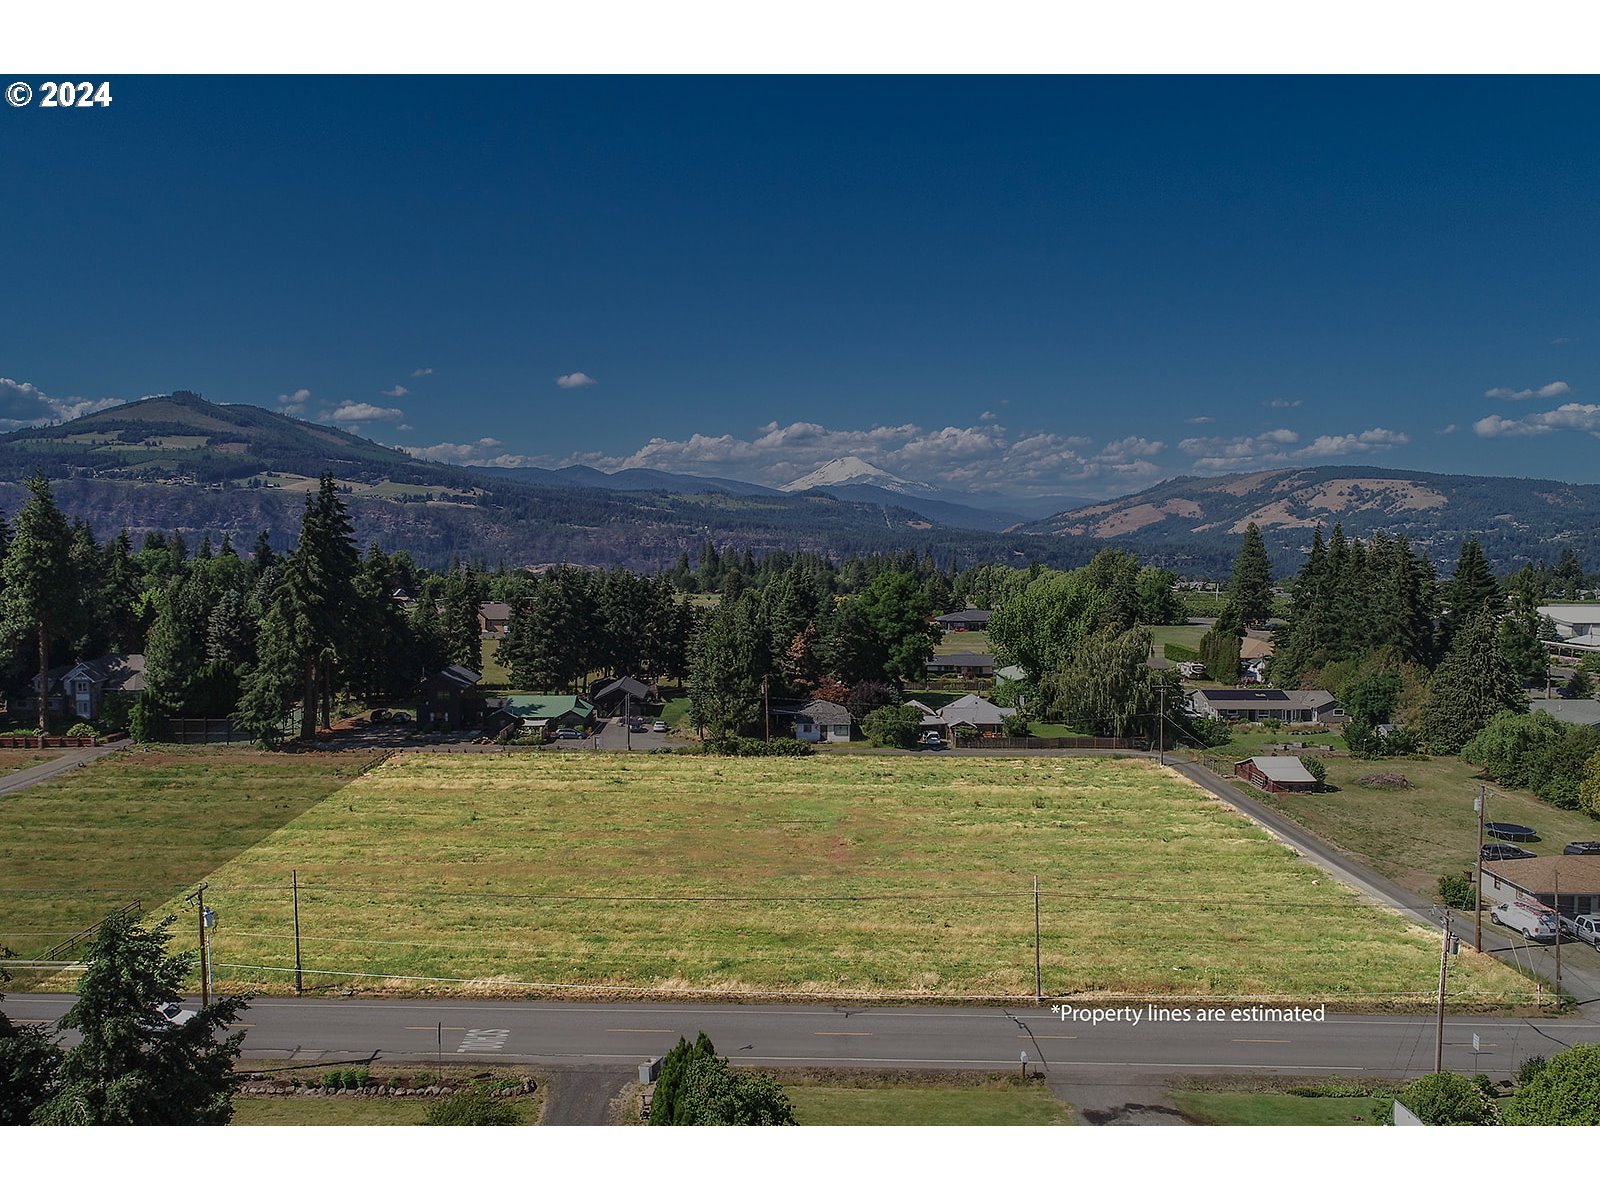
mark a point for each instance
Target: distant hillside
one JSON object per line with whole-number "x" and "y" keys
{"x": 1516, "y": 520}
{"x": 630, "y": 479}
{"x": 181, "y": 462}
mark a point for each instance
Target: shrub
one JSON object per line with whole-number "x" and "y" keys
{"x": 1210, "y": 731}
{"x": 1317, "y": 770}
{"x": 1565, "y": 1091}
{"x": 473, "y": 1106}
{"x": 82, "y": 729}
{"x": 695, "y": 1087}
{"x": 1449, "y": 1099}
{"x": 892, "y": 725}
{"x": 1016, "y": 725}
{"x": 869, "y": 695}
{"x": 750, "y": 747}
{"x": 1528, "y": 1069}
{"x": 1457, "y": 891}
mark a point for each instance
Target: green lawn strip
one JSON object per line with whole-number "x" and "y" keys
{"x": 1187, "y": 636}
{"x": 973, "y": 641}
{"x": 21, "y": 760}
{"x": 346, "y": 1110}
{"x": 1273, "y": 1108}
{"x": 909, "y": 876}
{"x": 933, "y": 1104}
{"x": 143, "y": 826}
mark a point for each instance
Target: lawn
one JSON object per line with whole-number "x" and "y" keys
{"x": 1273, "y": 1108}
{"x": 17, "y": 760}
{"x": 496, "y": 677}
{"x": 972, "y": 641}
{"x": 1181, "y": 635}
{"x": 603, "y": 874}
{"x": 1414, "y": 835}
{"x": 143, "y": 826}
{"x": 934, "y": 1104}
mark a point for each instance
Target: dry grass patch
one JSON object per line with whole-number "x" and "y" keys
{"x": 607, "y": 874}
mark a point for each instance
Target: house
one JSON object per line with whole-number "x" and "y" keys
{"x": 543, "y": 715}
{"x": 621, "y": 695}
{"x": 1264, "y": 704}
{"x": 1577, "y": 627}
{"x": 450, "y": 697}
{"x": 494, "y": 618}
{"x": 966, "y": 620}
{"x": 817, "y": 720}
{"x": 1013, "y": 674}
{"x": 1276, "y": 773}
{"x": 968, "y": 666}
{"x": 80, "y": 690}
{"x": 1255, "y": 670}
{"x": 1538, "y": 878}
{"x": 1573, "y": 712}
{"x": 975, "y": 711}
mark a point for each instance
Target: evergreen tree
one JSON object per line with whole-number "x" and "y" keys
{"x": 726, "y": 665}
{"x": 133, "y": 1065}
{"x": 1473, "y": 683}
{"x": 38, "y": 581}
{"x": 1470, "y": 590}
{"x": 30, "y": 1065}
{"x": 1519, "y": 630}
{"x": 1250, "y": 587}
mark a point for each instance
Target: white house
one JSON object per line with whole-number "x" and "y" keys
{"x": 1577, "y": 876}
{"x": 820, "y": 721}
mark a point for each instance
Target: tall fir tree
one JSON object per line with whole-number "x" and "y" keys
{"x": 1472, "y": 684}
{"x": 1471, "y": 589}
{"x": 37, "y": 586}
{"x": 1250, "y": 586}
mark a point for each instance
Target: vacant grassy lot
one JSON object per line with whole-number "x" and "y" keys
{"x": 1178, "y": 635}
{"x": 1273, "y": 1108}
{"x": 142, "y": 826}
{"x": 17, "y": 760}
{"x": 1414, "y": 835}
{"x": 890, "y": 876}
{"x": 346, "y": 1110}
{"x": 972, "y": 641}
{"x": 933, "y": 1104}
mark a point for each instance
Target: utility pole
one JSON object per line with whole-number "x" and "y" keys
{"x": 1444, "y": 958}
{"x": 294, "y": 885}
{"x": 1557, "y": 880}
{"x": 1477, "y": 878}
{"x": 1038, "y": 987}
{"x": 198, "y": 899}
{"x": 1161, "y": 725}
{"x": 627, "y": 719}
{"x": 766, "y": 706}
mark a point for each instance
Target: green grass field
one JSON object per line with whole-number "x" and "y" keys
{"x": 18, "y": 760}
{"x": 143, "y": 826}
{"x": 345, "y": 1110}
{"x": 1273, "y": 1108}
{"x": 973, "y": 641}
{"x": 907, "y": 877}
{"x": 1180, "y": 635}
{"x": 934, "y": 1104}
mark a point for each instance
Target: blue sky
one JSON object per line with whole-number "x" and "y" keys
{"x": 1070, "y": 286}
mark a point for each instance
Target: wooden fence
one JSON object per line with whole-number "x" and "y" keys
{"x": 1051, "y": 743}
{"x": 47, "y": 743}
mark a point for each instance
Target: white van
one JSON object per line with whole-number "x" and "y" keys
{"x": 1533, "y": 921}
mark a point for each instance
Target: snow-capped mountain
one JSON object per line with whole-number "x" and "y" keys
{"x": 849, "y": 471}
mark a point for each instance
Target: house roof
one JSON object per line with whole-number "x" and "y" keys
{"x": 965, "y": 614}
{"x": 973, "y": 709}
{"x": 1571, "y": 614}
{"x": 960, "y": 660}
{"x": 495, "y": 610}
{"x": 1573, "y": 712}
{"x": 627, "y": 685}
{"x": 820, "y": 712}
{"x": 114, "y": 672}
{"x": 1266, "y": 697}
{"x": 1576, "y": 873}
{"x": 1254, "y": 647}
{"x": 455, "y": 675}
{"x": 1013, "y": 673}
{"x": 1282, "y": 768}
{"x": 921, "y": 708}
{"x": 533, "y": 708}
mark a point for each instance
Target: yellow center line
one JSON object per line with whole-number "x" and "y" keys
{"x": 827, "y": 1033}
{"x": 1273, "y": 1041}
{"x": 641, "y": 1031}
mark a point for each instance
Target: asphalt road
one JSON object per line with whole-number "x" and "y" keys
{"x": 69, "y": 760}
{"x": 623, "y": 1035}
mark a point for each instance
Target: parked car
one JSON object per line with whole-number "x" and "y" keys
{"x": 658, "y": 727}
{"x": 379, "y": 715}
{"x": 931, "y": 740}
{"x": 1533, "y": 921}
{"x": 1581, "y": 848}
{"x": 567, "y": 735}
{"x": 1585, "y": 928}
{"x": 1500, "y": 851}
{"x": 401, "y": 718}
{"x": 177, "y": 1014}
{"x": 636, "y": 726}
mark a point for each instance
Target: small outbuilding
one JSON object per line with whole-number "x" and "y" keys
{"x": 1276, "y": 773}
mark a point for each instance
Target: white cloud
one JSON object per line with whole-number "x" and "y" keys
{"x": 575, "y": 380}
{"x": 1280, "y": 402}
{"x": 1449, "y": 428}
{"x": 987, "y": 416}
{"x": 1548, "y": 392}
{"x": 396, "y": 391}
{"x": 481, "y": 453}
{"x": 355, "y": 413}
{"x": 403, "y": 428}
{"x": 420, "y": 372}
{"x": 1128, "y": 448}
{"x": 1280, "y": 447}
{"x": 1575, "y": 418}
{"x": 22, "y": 404}
{"x": 1198, "y": 420}
{"x": 981, "y": 458}
{"x": 294, "y": 403}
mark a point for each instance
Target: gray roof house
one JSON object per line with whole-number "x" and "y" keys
{"x": 1573, "y": 712}
{"x": 968, "y": 666}
{"x": 1293, "y": 707}
{"x": 964, "y": 619}
{"x": 817, "y": 720}
{"x": 80, "y": 689}
{"x": 974, "y": 710}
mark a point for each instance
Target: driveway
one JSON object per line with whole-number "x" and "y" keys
{"x": 69, "y": 760}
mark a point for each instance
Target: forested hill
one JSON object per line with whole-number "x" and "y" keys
{"x": 180, "y": 462}
{"x": 1515, "y": 520}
